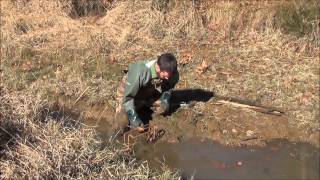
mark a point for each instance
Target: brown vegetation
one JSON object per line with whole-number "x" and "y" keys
{"x": 37, "y": 143}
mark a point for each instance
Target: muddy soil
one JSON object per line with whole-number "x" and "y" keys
{"x": 231, "y": 126}
{"x": 221, "y": 123}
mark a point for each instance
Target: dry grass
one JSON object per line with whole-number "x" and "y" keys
{"x": 41, "y": 145}
{"x": 70, "y": 48}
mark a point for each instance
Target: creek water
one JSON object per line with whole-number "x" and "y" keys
{"x": 279, "y": 159}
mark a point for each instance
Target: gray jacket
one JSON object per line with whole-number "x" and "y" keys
{"x": 142, "y": 77}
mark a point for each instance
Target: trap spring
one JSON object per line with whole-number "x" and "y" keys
{"x": 151, "y": 133}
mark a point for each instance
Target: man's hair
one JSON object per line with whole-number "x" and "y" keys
{"x": 167, "y": 62}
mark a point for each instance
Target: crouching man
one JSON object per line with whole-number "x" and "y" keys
{"x": 146, "y": 84}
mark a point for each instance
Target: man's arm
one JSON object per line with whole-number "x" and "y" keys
{"x": 136, "y": 79}
{"x": 166, "y": 91}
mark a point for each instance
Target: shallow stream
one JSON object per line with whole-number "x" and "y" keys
{"x": 279, "y": 159}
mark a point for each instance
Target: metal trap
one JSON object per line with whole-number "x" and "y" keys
{"x": 150, "y": 133}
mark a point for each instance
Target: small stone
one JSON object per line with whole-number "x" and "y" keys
{"x": 234, "y": 130}
{"x": 249, "y": 133}
{"x": 239, "y": 163}
{"x": 172, "y": 141}
{"x": 224, "y": 131}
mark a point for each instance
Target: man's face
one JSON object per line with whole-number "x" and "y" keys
{"x": 164, "y": 75}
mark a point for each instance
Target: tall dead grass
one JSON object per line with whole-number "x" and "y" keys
{"x": 132, "y": 25}
{"x": 37, "y": 146}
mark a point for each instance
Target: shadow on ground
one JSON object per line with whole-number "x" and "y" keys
{"x": 62, "y": 114}
{"x": 183, "y": 96}
{"x": 10, "y": 132}
{"x": 188, "y": 96}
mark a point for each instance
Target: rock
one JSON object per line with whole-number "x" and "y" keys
{"x": 172, "y": 141}
{"x": 249, "y": 133}
{"x": 234, "y": 130}
{"x": 225, "y": 131}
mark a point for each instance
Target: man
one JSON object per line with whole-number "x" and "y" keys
{"x": 144, "y": 84}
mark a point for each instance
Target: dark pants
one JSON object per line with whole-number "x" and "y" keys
{"x": 147, "y": 97}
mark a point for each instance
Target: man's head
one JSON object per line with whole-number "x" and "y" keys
{"x": 166, "y": 65}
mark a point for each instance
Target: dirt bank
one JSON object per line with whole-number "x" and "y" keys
{"x": 205, "y": 119}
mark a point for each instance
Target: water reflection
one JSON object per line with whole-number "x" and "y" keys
{"x": 208, "y": 160}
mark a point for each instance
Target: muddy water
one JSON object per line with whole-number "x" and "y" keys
{"x": 279, "y": 159}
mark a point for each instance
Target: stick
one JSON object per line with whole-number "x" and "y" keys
{"x": 80, "y": 96}
{"x": 249, "y": 105}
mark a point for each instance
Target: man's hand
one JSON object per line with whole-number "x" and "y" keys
{"x": 165, "y": 99}
{"x": 134, "y": 120}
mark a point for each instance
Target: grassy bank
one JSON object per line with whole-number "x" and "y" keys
{"x": 263, "y": 51}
